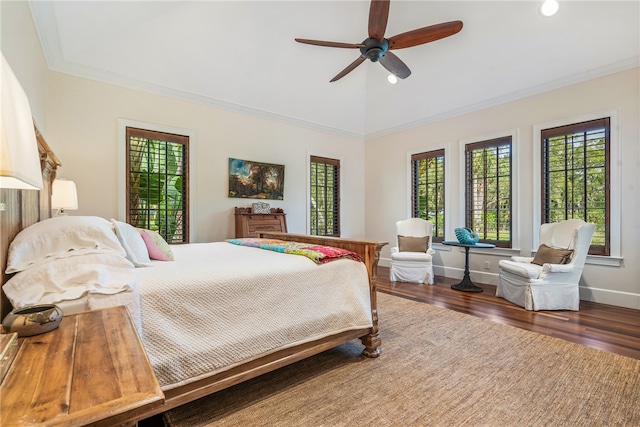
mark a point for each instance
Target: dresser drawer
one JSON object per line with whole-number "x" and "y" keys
{"x": 265, "y": 224}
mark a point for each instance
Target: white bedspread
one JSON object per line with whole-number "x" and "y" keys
{"x": 219, "y": 305}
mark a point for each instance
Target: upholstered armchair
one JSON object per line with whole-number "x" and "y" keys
{"x": 550, "y": 280}
{"x": 411, "y": 257}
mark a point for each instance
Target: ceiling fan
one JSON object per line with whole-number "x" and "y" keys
{"x": 376, "y": 47}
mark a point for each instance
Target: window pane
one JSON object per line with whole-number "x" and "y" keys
{"x": 488, "y": 190}
{"x": 575, "y": 177}
{"x": 325, "y": 196}
{"x": 428, "y": 190}
{"x": 157, "y": 184}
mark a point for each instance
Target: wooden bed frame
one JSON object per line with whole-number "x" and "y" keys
{"x": 370, "y": 253}
{"x": 26, "y": 207}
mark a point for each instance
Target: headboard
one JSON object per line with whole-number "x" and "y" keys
{"x": 25, "y": 207}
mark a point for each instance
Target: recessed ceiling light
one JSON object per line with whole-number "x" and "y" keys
{"x": 392, "y": 79}
{"x": 549, "y": 7}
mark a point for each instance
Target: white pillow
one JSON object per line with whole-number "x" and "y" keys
{"x": 133, "y": 244}
{"x": 61, "y": 237}
{"x": 60, "y": 279}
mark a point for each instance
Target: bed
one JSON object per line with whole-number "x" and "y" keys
{"x": 282, "y": 307}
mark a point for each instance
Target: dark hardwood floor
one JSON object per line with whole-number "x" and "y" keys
{"x": 601, "y": 326}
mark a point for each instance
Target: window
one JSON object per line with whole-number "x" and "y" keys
{"x": 157, "y": 182}
{"x": 488, "y": 190}
{"x": 427, "y": 190}
{"x": 325, "y": 196}
{"x": 575, "y": 177}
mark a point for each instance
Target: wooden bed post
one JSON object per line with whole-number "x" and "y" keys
{"x": 372, "y": 341}
{"x": 369, "y": 251}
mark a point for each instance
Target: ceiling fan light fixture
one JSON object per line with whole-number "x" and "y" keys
{"x": 549, "y": 7}
{"x": 392, "y": 79}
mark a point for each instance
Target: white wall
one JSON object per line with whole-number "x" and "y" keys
{"x": 21, "y": 47}
{"x": 83, "y": 130}
{"x": 388, "y": 184}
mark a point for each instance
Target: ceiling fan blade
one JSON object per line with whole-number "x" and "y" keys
{"x": 331, "y": 44}
{"x": 378, "y": 17}
{"x": 349, "y": 69}
{"x": 425, "y": 35}
{"x": 395, "y": 65}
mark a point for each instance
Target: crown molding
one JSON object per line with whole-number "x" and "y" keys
{"x": 43, "y": 14}
{"x": 533, "y": 90}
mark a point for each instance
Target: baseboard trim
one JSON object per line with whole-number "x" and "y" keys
{"x": 600, "y": 296}
{"x": 455, "y": 273}
{"x": 607, "y": 296}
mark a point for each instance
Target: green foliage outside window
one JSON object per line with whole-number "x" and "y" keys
{"x": 575, "y": 179}
{"x": 428, "y": 190}
{"x": 488, "y": 192}
{"x": 325, "y": 197}
{"x": 157, "y": 187}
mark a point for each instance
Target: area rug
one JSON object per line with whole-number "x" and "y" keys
{"x": 437, "y": 368}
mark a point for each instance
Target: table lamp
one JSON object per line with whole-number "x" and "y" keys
{"x": 64, "y": 196}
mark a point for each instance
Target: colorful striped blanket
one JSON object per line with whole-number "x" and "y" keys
{"x": 316, "y": 253}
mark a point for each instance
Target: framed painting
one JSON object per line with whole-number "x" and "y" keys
{"x": 255, "y": 180}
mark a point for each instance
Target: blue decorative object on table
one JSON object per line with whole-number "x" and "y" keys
{"x": 467, "y": 236}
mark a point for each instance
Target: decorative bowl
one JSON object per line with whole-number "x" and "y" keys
{"x": 33, "y": 320}
{"x": 466, "y": 236}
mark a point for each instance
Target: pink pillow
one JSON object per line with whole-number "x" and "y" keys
{"x": 157, "y": 247}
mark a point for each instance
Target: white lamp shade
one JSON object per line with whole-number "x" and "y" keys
{"x": 64, "y": 195}
{"x": 19, "y": 158}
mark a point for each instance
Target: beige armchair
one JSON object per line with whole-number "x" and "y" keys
{"x": 550, "y": 280}
{"x": 411, "y": 257}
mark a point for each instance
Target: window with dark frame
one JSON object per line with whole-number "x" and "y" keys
{"x": 575, "y": 177}
{"x": 157, "y": 183}
{"x": 325, "y": 196}
{"x": 488, "y": 190}
{"x": 427, "y": 190}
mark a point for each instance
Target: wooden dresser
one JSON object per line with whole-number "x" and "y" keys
{"x": 249, "y": 224}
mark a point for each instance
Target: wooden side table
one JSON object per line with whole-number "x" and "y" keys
{"x": 91, "y": 370}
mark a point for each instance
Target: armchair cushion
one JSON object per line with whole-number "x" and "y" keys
{"x": 558, "y": 268}
{"x": 522, "y": 269}
{"x": 549, "y": 255}
{"x": 413, "y": 244}
{"x": 411, "y": 256}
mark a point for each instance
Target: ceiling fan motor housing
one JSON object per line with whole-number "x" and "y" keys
{"x": 374, "y": 49}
